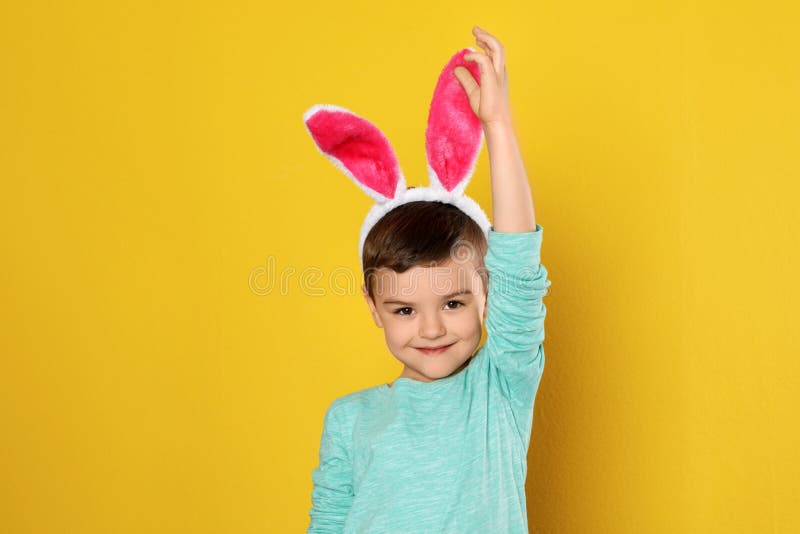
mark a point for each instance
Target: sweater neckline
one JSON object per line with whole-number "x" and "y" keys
{"x": 406, "y": 382}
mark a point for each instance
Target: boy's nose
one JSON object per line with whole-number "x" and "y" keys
{"x": 432, "y": 326}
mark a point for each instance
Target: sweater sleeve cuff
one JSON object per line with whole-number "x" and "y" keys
{"x": 514, "y": 249}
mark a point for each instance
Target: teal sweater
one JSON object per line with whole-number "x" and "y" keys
{"x": 447, "y": 456}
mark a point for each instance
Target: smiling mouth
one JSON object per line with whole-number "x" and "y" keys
{"x": 435, "y": 350}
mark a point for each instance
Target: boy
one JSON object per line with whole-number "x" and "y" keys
{"x": 443, "y": 448}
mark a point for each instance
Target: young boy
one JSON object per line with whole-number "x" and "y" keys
{"x": 443, "y": 448}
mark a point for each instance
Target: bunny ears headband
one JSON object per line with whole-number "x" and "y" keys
{"x": 453, "y": 139}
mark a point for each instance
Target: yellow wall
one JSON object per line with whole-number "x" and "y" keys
{"x": 153, "y": 158}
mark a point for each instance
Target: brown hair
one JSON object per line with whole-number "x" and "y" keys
{"x": 420, "y": 233}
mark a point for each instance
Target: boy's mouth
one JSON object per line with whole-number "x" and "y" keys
{"x": 435, "y": 350}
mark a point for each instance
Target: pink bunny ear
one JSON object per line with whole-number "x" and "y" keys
{"x": 358, "y": 148}
{"x": 454, "y": 135}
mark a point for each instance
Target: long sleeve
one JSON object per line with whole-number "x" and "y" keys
{"x": 332, "y": 495}
{"x": 515, "y": 318}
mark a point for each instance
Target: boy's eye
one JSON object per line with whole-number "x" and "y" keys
{"x": 406, "y": 310}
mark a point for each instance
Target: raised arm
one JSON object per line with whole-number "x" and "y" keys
{"x": 517, "y": 279}
{"x": 511, "y": 196}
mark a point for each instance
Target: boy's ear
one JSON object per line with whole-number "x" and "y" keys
{"x": 371, "y": 304}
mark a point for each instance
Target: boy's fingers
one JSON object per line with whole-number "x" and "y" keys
{"x": 465, "y": 77}
{"x": 488, "y": 48}
{"x": 484, "y": 63}
{"x": 498, "y": 52}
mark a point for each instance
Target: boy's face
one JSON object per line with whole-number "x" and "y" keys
{"x": 424, "y": 307}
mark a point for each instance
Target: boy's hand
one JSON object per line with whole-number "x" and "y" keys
{"x": 489, "y": 100}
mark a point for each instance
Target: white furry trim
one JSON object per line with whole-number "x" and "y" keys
{"x": 461, "y": 201}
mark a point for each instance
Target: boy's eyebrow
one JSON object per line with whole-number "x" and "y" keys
{"x": 451, "y": 295}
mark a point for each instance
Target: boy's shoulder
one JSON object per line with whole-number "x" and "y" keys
{"x": 353, "y": 402}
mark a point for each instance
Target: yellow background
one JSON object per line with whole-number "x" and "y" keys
{"x": 153, "y": 158}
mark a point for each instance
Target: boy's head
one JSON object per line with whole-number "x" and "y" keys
{"x": 426, "y": 285}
